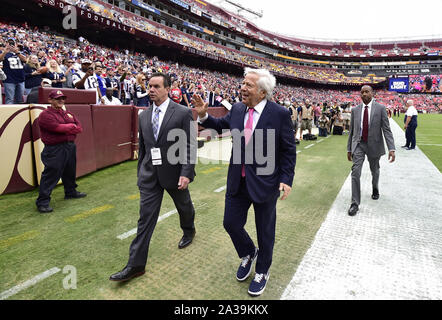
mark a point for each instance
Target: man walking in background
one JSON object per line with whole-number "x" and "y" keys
{"x": 368, "y": 126}
{"x": 410, "y": 126}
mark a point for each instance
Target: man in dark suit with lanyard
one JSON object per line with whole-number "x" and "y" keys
{"x": 369, "y": 124}
{"x": 258, "y": 126}
{"x": 160, "y": 169}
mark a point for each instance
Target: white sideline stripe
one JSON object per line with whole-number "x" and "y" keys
{"x": 429, "y": 144}
{"x": 220, "y": 189}
{"x": 134, "y": 230}
{"x": 309, "y": 146}
{"x": 14, "y": 290}
{"x": 320, "y": 140}
{"x": 124, "y": 144}
{"x": 298, "y": 152}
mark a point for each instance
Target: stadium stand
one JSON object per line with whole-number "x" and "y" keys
{"x": 49, "y": 45}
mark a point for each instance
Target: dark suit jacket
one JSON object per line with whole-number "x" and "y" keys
{"x": 379, "y": 126}
{"x": 167, "y": 174}
{"x": 274, "y": 117}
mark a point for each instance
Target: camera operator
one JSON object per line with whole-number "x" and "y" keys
{"x": 13, "y": 67}
{"x": 332, "y": 116}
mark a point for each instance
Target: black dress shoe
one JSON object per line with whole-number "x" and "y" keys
{"x": 185, "y": 241}
{"x": 375, "y": 194}
{"x": 409, "y": 149}
{"x": 353, "y": 210}
{"x": 76, "y": 195}
{"x": 45, "y": 209}
{"x": 127, "y": 273}
{"x": 405, "y": 147}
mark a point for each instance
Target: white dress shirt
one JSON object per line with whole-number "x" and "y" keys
{"x": 362, "y": 116}
{"x": 113, "y": 102}
{"x": 259, "y": 108}
{"x": 163, "y": 107}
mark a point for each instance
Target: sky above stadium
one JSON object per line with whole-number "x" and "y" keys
{"x": 371, "y": 20}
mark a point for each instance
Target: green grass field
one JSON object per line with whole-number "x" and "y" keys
{"x": 83, "y": 233}
{"x": 428, "y": 136}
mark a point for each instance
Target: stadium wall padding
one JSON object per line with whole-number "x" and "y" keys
{"x": 73, "y": 96}
{"x": 16, "y": 160}
{"x": 85, "y": 141}
{"x": 110, "y": 136}
{"x": 135, "y": 137}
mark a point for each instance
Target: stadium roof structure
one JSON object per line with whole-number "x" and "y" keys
{"x": 317, "y": 40}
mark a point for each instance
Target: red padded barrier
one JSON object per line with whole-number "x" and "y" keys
{"x": 86, "y": 162}
{"x": 74, "y": 96}
{"x": 112, "y": 127}
{"x": 135, "y": 138}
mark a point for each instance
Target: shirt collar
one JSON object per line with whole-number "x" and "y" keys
{"x": 369, "y": 105}
{"x": 260, "y": 106}
{"x": 163, "y": 106}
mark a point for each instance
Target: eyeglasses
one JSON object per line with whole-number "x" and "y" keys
{"x": 143, "y": 79}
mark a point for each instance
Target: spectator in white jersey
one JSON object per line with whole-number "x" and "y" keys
{"x": 86, "y": 79}
{"x": 109, "y": 99}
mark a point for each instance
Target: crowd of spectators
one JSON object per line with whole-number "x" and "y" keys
{"x": 48, "y": 59}
{"x": 140, "y": 23}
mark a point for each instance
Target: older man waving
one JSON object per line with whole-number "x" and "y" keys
{"x": 262, "y": 165}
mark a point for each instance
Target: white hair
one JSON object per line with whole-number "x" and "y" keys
{"x": 266, "y": 81}
{"x": 410, "y": 102}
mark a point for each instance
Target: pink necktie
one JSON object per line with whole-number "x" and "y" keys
{"x": 248, "y": 134}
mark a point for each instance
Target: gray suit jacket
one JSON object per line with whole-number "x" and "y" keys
{"x": 379, "y": 124}
{"x": 178, "y": 159}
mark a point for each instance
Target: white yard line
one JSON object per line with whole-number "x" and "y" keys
{"x": 134, "y": 230}
{"x": 160, "y": 218}
{"x": 29, "y": 283}
{"x": 220, "y": 189}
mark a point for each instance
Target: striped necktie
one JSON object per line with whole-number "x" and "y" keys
{"x": 156, "y": 122}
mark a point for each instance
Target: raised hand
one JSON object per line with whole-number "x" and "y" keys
{"x": 199, "y": 105}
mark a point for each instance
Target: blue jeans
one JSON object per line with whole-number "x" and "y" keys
{"x": 14, "y": 92}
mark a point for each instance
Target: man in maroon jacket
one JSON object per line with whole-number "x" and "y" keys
{"x": 58, "y": 129}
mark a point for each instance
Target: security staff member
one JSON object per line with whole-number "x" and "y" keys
{"x": 410, "y": 126}
{"x": 58, "y": 130}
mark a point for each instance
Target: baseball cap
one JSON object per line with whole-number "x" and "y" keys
{"x": 55, "y": 94}
{"x": 84, "y": 61}
{"x": 47, "y": 81}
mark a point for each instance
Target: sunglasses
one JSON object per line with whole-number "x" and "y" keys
{"x": 61, "y": 98}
